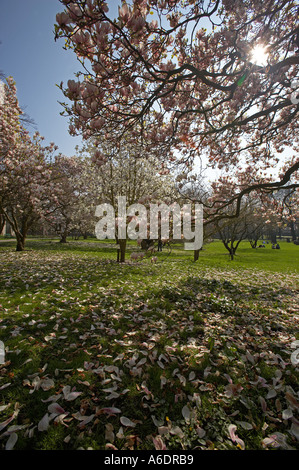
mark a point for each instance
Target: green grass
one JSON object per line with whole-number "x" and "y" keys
{"x": 213, "y": 337}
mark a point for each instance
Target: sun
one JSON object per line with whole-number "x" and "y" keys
{"x": 259, "y": 55}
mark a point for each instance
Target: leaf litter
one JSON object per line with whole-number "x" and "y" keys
{"x": 198, "y": 361}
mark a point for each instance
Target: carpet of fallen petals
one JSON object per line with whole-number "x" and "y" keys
{"x": 172, "y": 355}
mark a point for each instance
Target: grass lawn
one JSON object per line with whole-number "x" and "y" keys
{"x": 175, "y": 355}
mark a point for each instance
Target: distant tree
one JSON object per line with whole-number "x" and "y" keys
{"x": 291, "y": 211}
{"x": 193, "y": 188}
{"x": 233, "y": 231}
{"x": 255, "y": 231}
{"x": 261, "y": 219}
{"x": 122, "y": 171}
{"x": 70, "y": 206}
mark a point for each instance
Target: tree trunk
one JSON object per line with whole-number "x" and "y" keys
{"x": 293, "y": 230}
{"x": 20, "y": 242}
{"x": 273, "y": 237}
{"x": 121, "y": 252}
{"x": 21, "y": 234}
{"x": 232, "y": 250}
{"x": 196, "y": 255}
{"x": 63, "y": 238}
{"x": 2, "y": 223}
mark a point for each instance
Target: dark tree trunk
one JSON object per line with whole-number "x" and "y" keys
{"x": 20, "y": 242}
{"x": 20, "y": 246}
{"x": 293, "y": 230}
{"x": 273, "y": 237}
{"x": 63, "y": 238}
{"x": 2, "y": 223}
{"x": 121, "y": 252}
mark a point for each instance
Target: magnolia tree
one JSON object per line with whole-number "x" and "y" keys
{"x": 25, "y": 169}
{"x": 232, "y": 232}
{"x": 84, "y": 219}
{"x": 286, "y": 203}
{"x": 215, "y": 79}
{"x": 256, "y": 228}
{"x": 123, "y": 171}
{"x": 258, "y": 212}
{"x": 253, "y": 220}
{"x": 71, "y": 206}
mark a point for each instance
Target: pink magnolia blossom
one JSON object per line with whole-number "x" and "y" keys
{"x": 63, "y": 19}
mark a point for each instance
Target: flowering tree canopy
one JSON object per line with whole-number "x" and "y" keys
{"x": 120, "y": 170}
{"x": 190, "y": 78}
{"x": 61, "y": 213}
{"x": 26, "y": 177}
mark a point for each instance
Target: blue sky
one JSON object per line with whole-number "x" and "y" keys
{"x": 29, "y": 53}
